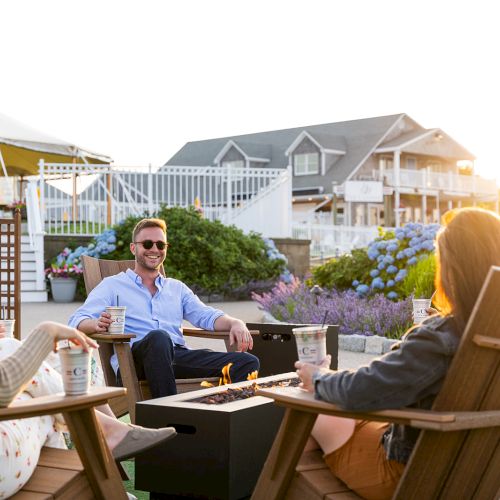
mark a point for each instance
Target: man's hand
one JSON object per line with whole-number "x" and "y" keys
{"x": 306, "y": 371}
{"x": 239, "y": 333}
{"x": 103, "y": 322}
{"x": 99, "y": 325}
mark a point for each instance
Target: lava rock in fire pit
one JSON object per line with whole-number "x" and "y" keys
{"x": 242, "y": 392}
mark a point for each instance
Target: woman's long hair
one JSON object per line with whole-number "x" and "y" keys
{"x": 467, "y": 246}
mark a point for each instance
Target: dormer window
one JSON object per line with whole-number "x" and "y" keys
{"x": 233, "y": 164}
{"x": 306, "y": 163}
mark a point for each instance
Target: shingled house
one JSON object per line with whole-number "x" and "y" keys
{"x": 375, "y": 171}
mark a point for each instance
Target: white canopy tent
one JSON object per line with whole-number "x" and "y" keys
{"x": 22, "y": 147}
{"x": 16, "y": 137}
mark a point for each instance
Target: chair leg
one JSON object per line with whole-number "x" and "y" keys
{"x": 96, "y": 458}
{"x": 280, "y": 465}
{"x": 129, "y": 377}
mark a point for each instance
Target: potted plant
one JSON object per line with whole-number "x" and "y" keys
{"x": 63, "y": 276}
{"x": 22, "y": 207}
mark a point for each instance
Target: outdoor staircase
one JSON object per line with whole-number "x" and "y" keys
{"x": 29, "y": 290}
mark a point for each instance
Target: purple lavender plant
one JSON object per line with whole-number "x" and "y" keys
{"x": 374, "y": 315}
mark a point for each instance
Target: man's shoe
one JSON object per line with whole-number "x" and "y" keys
{"x": 139, "y": 439}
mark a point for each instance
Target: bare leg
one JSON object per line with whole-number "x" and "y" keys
{"x": 332, "y": 432}
{"x": 114, "y": 430}
{"x": 106, "y": 409}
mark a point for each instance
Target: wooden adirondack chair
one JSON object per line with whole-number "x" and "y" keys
{"x": 458, "y": 452}
{"x": 10, "y": 266}
{"x": 90, "y": 471}
{"x": 94, "y": 270}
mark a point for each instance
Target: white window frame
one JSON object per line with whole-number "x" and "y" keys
{"x": 307, "y": 165}
{"x": 234, "y": 164}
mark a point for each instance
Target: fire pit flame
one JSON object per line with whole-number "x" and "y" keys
{"x": 238, "y": 393}
{"x": 226, "y": 379}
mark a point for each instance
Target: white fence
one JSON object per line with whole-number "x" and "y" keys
{"x": 328, "y": 240}
{"x": 84, "y": 199}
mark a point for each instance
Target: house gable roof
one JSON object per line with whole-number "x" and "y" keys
{"x": 428, "y": 140}
{"x": 357, "y": 138}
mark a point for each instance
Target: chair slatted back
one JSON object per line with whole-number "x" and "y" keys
{"x": 464, "y": 464}
{"x": 94, "y": 271}
{"x": 10, "y": 270}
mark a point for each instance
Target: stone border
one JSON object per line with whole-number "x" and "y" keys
{"x": 354, "y": 343}
{"x": 369, "y": 345}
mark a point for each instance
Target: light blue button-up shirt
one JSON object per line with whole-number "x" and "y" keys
{"x": 165, "y": 310}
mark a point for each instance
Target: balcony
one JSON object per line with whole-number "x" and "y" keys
{"x": 448, "y": 183}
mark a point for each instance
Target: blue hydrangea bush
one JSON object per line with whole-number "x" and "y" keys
{"x": 393, "y": 254}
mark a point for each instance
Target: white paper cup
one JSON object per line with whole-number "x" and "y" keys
{"x": 117, "y": 318}
{"x": 75, "y": 370}
{"x": 419, "y": 310}
{"x": 311, "y": 343}
{"x": 9, "y": 326}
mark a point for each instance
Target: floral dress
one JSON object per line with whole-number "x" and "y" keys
{"x": 22, "y": 440}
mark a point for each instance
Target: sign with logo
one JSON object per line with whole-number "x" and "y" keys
{"x": 364, "y": 191}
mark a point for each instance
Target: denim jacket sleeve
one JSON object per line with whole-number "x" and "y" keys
{"x": 402, "y": 377}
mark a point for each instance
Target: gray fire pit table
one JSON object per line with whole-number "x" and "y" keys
{"x": 220, "y": 449}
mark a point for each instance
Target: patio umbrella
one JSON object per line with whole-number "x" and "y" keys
{"x": 21, "y": 148}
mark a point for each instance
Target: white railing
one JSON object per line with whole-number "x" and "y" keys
{"x": 329, "y": 240}
{"x": 35, "y": 232}
{"x": 422, "y": 179}
{"x": 84, "y": 199}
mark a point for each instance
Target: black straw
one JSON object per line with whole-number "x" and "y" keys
{"x": 117, "y": 300}
{"x": 324, "y": 319}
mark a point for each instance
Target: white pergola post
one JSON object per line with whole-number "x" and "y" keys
{"x": 397, "y": 184}
{"x": 3, "y": 164}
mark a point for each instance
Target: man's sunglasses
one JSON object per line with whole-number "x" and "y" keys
{"x": 148, "y": 244}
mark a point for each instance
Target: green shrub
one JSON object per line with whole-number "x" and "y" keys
{"x": 419, "y": 281}
{"x": 206, "y": 255}
{"x": 341, "y": 271}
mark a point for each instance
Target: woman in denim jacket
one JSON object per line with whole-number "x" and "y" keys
{"x": 370, "y": 456}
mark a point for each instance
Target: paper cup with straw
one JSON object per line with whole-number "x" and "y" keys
{"x": 117, "y": 317}
{"x": 311, "y": 342}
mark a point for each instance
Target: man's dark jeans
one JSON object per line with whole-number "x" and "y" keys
{"x": 160, "y": 362}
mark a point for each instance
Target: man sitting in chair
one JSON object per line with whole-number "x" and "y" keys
{"x": 156, "y": 307}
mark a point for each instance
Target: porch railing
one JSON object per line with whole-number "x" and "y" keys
{"x": 85, "y": 199}
{"x": 454, "y": 183}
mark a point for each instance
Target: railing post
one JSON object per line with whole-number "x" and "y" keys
{"x": 151, "y": 206}
{"x": 109, "y": 199}
{"x": 229, "y": 194}
{"x": 397, "y": 185}
{"x": 41, "y": 171}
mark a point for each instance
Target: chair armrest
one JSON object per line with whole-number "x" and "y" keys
{"x": 112, "y": 338}
{"x": 298, "y": 399}
{"x": 56, "y": 403}
{"x": 198, "y": 332}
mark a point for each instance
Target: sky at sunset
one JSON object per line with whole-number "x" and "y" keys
{"x": 137, "y": 80}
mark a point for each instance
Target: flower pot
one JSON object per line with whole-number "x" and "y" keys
{"x": 63, "y": 289}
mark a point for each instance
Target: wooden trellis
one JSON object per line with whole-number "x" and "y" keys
{"x": 10, "y": 270}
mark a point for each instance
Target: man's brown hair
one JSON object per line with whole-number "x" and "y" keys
{"x": 142, "y": 224}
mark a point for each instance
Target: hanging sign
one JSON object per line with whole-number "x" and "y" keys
{"x": 364, "y": 191}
